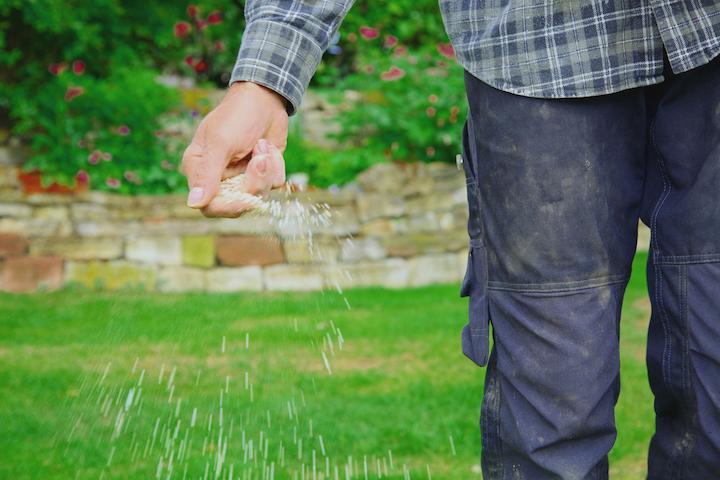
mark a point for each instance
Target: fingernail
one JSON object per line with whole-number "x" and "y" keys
{"x": 263, "y": 146}
{"x": 261, "y": 164}
{"x": 195, "y": 197}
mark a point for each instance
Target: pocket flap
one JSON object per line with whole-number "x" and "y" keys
{"x": 475, "y": 338}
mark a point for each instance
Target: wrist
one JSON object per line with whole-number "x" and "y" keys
{"x": 244, "y": 87}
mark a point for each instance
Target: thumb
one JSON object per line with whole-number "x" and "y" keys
{"x": 203, "y": 169}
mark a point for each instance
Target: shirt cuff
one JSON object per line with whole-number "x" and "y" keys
{"x": 279, "y": 57}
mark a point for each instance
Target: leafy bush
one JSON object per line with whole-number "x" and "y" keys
{"x": 123, "y": 45}
{"x": 106, "y": 130}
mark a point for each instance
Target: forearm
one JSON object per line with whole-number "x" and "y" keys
{"x": 284, "y": 41}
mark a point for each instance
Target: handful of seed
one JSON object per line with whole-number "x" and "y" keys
{"x": 293, "y": 218}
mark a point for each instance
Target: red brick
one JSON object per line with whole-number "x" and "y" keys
{"x": 28, "y": 274}
{"x": 247, "y": 250}
{"x": 12, "y": 244}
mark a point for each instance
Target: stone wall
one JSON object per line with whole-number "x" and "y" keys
{"x": 396, "y": 227}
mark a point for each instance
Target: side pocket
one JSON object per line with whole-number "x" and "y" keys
{"x": 475, "y": 333}
{"x": 475, "y": 339}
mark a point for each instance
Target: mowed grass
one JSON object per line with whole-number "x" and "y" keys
{"x": 400, "y": 387}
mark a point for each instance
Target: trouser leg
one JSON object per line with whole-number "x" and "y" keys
{"x": 682, "y": 208}
{"x": 555, "y": 188}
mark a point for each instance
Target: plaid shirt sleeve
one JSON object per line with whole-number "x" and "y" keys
{"x": 284, "y": 41}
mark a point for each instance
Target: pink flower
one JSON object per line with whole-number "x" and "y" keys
{"x": 433, "y": 98}
{"x": 130, "y": 176}
{"x": 446, "y": 50}
{"x": 123, "y": 130}
{"x": 369, "y": 69}
{"x": 201, "y": 24}
{"x": 369, "y": 33}
{"x": 401, "y": 50}
{"x": 82, "y": 176}
{"x": 112, "y": 182}
{"x": 73, "y": 92}
{"x": 181, "y": 29}
{"x": 57, "y": 68}
{"x": 78, "y": 67}
{"x": 189, "y": 60}
{"x": 94, "y": 157}
{"x": 201, "y": 66}
{"x": 214, "y": 18}
{"x": 390, "y": 41}
{"x": 430, "y": 151}
{"x": 395, "y": 73}
{"x": 454, "y": 110}
{"x": 352, "y": 38}
{"x": 192, "y": 11}
{"x": 430, "y": 111}
{"x": 219, "y": 46}
{"x": 167, "y": 165}
{"x": 107, "y": 156}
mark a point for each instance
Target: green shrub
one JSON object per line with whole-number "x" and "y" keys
{"x": 123, "y": 45}
{"x": 105, "y": 129}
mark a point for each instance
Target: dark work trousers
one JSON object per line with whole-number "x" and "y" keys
{"x": 556, "y": 188}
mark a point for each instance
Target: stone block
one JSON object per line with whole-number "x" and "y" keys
{"x": 35, "y": 227}
{"x": 8, "y": 176}
{"x": 382, "y": 177}
{"x": 390, "y": 273}
{"x": 379, "y": 205}
{"x": 111, "y": 275}
{"x": 343, "y": 222}
{"x": 49, "y": 199}
{"x": 356, "y": 249}
{"x": 293, "y": 277}
{"x": 181, "y": 279}
{"x": 384, "y": 227}
{"x": 248, "y": 224}
{"x": 57, "y": 214}
{"x": 16, "y": 210}
{"x": 105, "y": 228}
{"x": 30, "y": 274}
{"x": 413, "y": 244}
{"x": 432, "y": 269}
{"x": 172, "y": 226}
{"x": 320, "y": 250}
{"x": 198, "y": 250}
{"x": 234, "y": 279}
{"x": 424, "y": 222}
{"x": 249, "y": 250}
{"x": 12, "y": 244}
{"x": 333, "y": 198}
{"x": 13, "y": 156}
{"x": 154, "y": 250}
{"x": 81, "y": 212}
{"x": 74, "y": 248}
{"x": 441, "y": 199}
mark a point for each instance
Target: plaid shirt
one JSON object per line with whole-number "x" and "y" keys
{"x": 551, "y": 49}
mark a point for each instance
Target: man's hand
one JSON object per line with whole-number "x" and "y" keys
{"x": 224, "y": 141}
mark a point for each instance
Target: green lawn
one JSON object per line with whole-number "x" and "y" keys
{"x": 75, "y": 403}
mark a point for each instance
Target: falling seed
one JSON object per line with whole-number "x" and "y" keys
{"x": 322, "y": 445}
{"x": 327, "y": 363}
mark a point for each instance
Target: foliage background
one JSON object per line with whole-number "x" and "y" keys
{"x": 123, "y": 47}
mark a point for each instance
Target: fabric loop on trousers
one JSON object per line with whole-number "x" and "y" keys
{"x": 475, "y": 339}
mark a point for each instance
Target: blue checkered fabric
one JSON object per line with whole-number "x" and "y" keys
{"x": 550, "y": 49}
